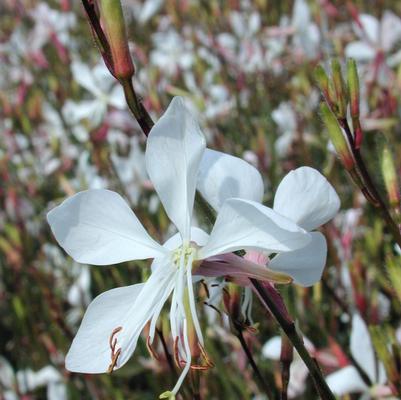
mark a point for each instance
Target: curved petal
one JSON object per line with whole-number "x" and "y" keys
{"x": 240, "y": 269}
{"x": 306, "y": 197}
{"x": 173, "y": 153}
{"x": 370, "y": 26}
{"x": 362, "y": 350}
{"x": 128, "y": 308}
{"x": 390, "y": 32}
{"x": 199, "y": 236}
{"x": 244, "y": 224}
{"x": 346, "y": 380}
{"x": 90, "y": 351}
{"x": 304, "y": 265}
{"x": 98, "y": 227}
{"x": 222, "y": 176}
{"x": 272, "y": 348}
{"x": 361, "y": 51}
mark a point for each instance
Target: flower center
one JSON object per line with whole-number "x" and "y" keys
{"x": 182, "y": 254}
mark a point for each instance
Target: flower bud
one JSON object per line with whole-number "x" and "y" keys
{"x": 390, "y": 177}
{"x": 337, "y": 137}
{"x": 112, "y": 19}
{"x": 353, "y": 87}
{"x": 324, "y": 84}
{"x": 340, "y": 90}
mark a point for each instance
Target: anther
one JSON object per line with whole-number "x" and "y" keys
{"x": 151, "y": 351}
{"x": 113, "y": 344}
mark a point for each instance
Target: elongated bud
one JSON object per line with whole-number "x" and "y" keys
{"x": 383, "y": 338}
{"x": 232, "y": 302}
{"x": 337, "y": 137}
{"x": 353, "y": 95}
{"x": 324, "y": 84}
{"x": 353, "y": 87}
{"x": 286, "y": 357}
{"x": 390, "y": 177}
{"x": 340, "y": 90}
{"x": 112, "y": 19}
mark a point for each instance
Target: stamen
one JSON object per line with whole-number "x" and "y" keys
{"x": 188, "y": 361}
{"x": 205, "y": 288}
{"x": 192, "y": 301}
{"x": 151, "y": 351}
{"x": 208, "y": 361}
{"x": 114, "y": 354}
{"x": 178, "y": 362}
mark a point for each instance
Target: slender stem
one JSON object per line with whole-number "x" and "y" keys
{"x": 252, "y": 362}
{"x": 370, "y": 186}
{"x": 135, "y": 105}
{"x": 291, "y": 332}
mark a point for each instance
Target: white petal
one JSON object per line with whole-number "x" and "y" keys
{"x": 198, "y": 236}
{"x": 362, "y": 349}
{"x": 304, "y": 265}
{"x": 244, "y": 224}
{"x": 390, "y": 30}
{"x": 98, "y": 227}
{"x": 370, "y": 26}
{"x": 90, "y": 351}
{"x": 173, "y": 153}
{"x": 346, "y": 380}
{"x": 298, "y": 374}
{"x": 306, "y": 197}
{"x": 361, "y": 51}
{"x": 6, "y": 373}
{"x": 128, "y": 307}
{"x": 56, "y": 391}
{"x": 272, "y": 348}
{"x": 116, "y": 98}
{"x": 222, "y": 176}
{"x": 84, "y": 77}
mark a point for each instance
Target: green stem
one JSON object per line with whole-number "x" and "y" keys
{"x": 263, "y": 384}
{"x": 135, "y": 105}
{"x": 291, "y": 332}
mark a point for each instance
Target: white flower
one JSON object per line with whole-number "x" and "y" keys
{"x": 49, "y": 23}
{"x": 304, "y": 196}
{"x": 25, "y": 381}
{"x": 98, "y": 227}
{"x": 306, "y": 37}
{"x": 348, "y": 379}
{"x": 285, "y": 118}
{"x": 375, "y": 37}
{"x": 103, "y": 88}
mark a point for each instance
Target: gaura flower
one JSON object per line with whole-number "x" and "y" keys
{"x": 304, "y": 196}
{"x": 347, "y": 379}
{"x": 98, "y": 227}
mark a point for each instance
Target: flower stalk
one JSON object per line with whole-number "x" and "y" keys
{"x": 347, "y": 141}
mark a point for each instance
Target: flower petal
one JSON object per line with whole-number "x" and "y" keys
{"x": 272, "y": 348}
{"x": 362, "y": 350}
{"x": 306, "y": 197}
{"x": 222, "y": 176}
{"x": 240, "y": 269}
{"x": 130, "y": 308}
{"x": 304, "y": 265}
{"x": 346, "y": 380}
{"x": 173, "y": 153}
{"x": 371, "y": 28}
{"x": 90, "y": 351}
{"x": 244, "y": 224}
{"x": 98, "y": 227}
{"x": 198, "y": 236}
{"x": 361, "y": 51}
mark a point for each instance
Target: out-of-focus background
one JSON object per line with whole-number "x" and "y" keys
{"x": 245, "y": 68}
